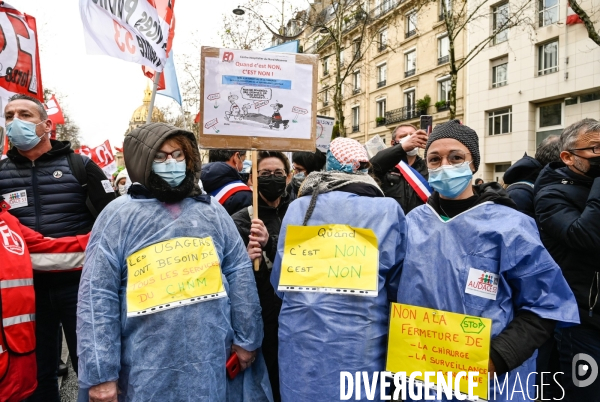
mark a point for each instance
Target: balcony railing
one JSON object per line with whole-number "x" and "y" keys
{"x": 381, "y": 83}
{"x": 355, "y": 91}
{"x": 409, "y": 73}
{"x": 354, "y": 129}
{"x": 381, "y": 47}
{"x": 385, "y": 7}
{"x": 402, "y": 114}
{"x": 443, "y": 59}
{"x": 410, "y": 33}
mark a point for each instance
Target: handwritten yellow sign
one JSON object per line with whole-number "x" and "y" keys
{"x": 173, "y": 273}
{"x": 332, "y": 259}
{"x": 423, "y": 339}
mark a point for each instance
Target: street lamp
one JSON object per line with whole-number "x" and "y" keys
{"x": 239, "y": 11}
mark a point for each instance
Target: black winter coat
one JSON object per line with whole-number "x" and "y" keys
{"x": 567, "y": 210}
{"x": 393, "y": 183}
{"x": 269, "y": 301}
{"x": 216, "y": 175}
{"x": 520, "y": 178}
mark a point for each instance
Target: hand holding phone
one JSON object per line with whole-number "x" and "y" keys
{"x": 427, "y": 123}
{"x": 233, "y": 366}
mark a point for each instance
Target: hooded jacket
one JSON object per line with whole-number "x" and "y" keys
{"x": 567, "y": 209}
{"x": 177, "y": 347}
{"x": 217, "y": 175}
{"x": 393, "y": 184}
{"x": 520, "y": 178}
{"x": 491, "y": 237}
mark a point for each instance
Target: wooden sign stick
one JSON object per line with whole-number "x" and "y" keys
{"x": 256, "y": 262}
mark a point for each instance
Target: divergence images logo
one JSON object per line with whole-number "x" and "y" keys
{"x": 581, "y": 370}
{"x": 228, "y": 56}
{"x": 488, "y": 279}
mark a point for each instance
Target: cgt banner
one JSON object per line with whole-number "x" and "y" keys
{"x": 102, "y": 155}
{"x": 140, "y": 31}
{"x": 19, "y": 57}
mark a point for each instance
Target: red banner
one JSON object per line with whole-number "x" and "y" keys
{"x": 102, "y": 155}
{"x": 19, "y": 56}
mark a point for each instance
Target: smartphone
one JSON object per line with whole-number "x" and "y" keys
{"x": 232, "y": 366}
{"x": 427, "y": 123}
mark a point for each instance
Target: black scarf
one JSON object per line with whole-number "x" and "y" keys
{"x": 163, "y": 192}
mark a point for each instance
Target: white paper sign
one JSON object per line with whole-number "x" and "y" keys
{"x": 483, "y": 284}
{"x": 129, "y": 30}
{"x": 260, "y": 94}
{"x": 324, "y": 130}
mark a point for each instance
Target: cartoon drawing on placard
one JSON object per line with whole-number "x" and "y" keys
{"x": 214, "y": 97}
{"x": 245, "y": 109}
{"x": 212, "y": 123}
{"x": 276, "y": 119}
{"x": 234, "y": 110}
{"x": 298, "y": 110}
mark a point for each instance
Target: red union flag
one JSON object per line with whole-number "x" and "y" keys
{"x": 102, "y": 155}
{"x": 54, "y": 111}
{"x": 572, "y": 17}
{"x": 19, "y": 56}
{"x": 140, "y": 31}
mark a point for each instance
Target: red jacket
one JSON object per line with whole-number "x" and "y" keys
{"x": 17, "y": 300}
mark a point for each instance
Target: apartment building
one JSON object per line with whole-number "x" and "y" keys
{"x": 404, "y": 59}
{"x": 531, "y": 82}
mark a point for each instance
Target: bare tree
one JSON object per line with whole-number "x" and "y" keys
{"x": 587, "y": 21}
{"x": 458, "y": 16}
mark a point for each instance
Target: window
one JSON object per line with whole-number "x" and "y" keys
{"x": 500, "y": 121}
{"x": 499, "y": 72}
{"x": 341, "y": 57}
{"x": 410, "y": 63}
{"x": 356, "y": 48}
{"x": 500, "y": 15}
{"x": 381, "y": 75}
{"x": 381, "y": 107}
{"x": 448, "y": 5}
{"x": 355, "y": 118}
{"x": 356, "y": 81}
{"x": 550, "y": 115}
{"x": 548, "y": 58}
{"x": 499, "y": 170}
{"x": 443, "y": 50}
{"x": 326, "y": 66}
{"x": 548, "y": 12}
{"x": 382, "y": 39}
{"x": 590, "y": 97}
{"x": 326, "y": 96}
{"x": 444, "y": 90}
{"x": 411, "y": 24}
{"x": 409, "y": 98}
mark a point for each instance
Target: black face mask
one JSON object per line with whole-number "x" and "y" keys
{"x": 271, "y": 187}
{"x": 594, "y": 170}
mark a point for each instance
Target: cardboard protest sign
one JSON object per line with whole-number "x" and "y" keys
{"x": 258, "y": 100}
{"x": 173, "y": 273}
{"x": 423, "y": 339}
{"x": 324, "y": 130}
{"x": 19, "y": 57}
{"x": 332, "y": 258}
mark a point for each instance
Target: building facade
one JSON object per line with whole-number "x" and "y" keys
{"x": 530, "y": 84}
{"x": 404, "y": 62}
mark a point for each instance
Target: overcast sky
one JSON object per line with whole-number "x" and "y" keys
{"x": 101, "y": 91}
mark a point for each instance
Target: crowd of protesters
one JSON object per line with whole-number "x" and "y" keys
{"x": 537, "y": 237}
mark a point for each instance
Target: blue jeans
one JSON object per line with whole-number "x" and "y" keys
{"x": 572, "y": 341}
{"x": 53, "y": 306}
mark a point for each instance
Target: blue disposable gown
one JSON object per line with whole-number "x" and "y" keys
{"x": 491, "y": 238}
{"x": 177, "y": 354}
{"x": 323, "y": 334}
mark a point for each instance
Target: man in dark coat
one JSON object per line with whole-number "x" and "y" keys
{"x": 406, "y": 141}
{"x": 567, "y": 211}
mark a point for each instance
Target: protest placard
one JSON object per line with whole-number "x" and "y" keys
{"x": 171, "y": 274}
{"x": 324, "y": 130}
{"x": 426, "y": 340}
{"x": 102, "y": 155}
{"x": 258, "y": 100}
{"x": 331, "y": 258}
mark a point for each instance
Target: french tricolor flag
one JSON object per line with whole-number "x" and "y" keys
{"x": 416, "y": 181}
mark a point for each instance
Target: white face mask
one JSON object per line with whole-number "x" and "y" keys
{"x": 122, "y": 189}
{"x": 412, "y": 152}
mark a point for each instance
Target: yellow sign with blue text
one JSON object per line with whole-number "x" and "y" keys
{"x": 173, "y": 273}
{"x": 422, "y": 339}
{"x": 332, "y": 258}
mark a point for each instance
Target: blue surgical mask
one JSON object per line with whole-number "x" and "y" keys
{"x": 22, "y": 134}
{"x": 171, "y": 171}
{"x": 450, "y": 181}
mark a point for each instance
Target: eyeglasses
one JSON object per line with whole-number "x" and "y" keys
{"x": 160, "y": 156}
{"x": 267, "y": 173}
{"x": 299, "y": 170}
{"x": 455, "y": 158}
{"x": 594, "y": 149}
